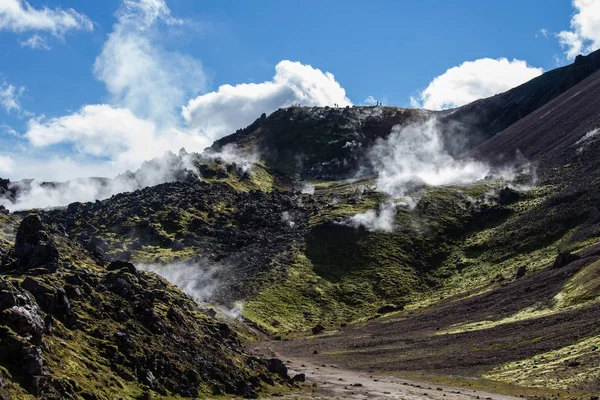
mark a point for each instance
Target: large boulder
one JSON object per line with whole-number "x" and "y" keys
{"x": 33, "y": 246}
{"x": 508, "y": 196}
{"x": 51, "y": 299}
{"x": 276, "y": 366}
{"x": 317, "y": 329}
{"x": 26, "y": 320}
{"x": 564, "y": 259}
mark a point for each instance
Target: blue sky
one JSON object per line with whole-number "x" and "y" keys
{"x": 390, "y": 50}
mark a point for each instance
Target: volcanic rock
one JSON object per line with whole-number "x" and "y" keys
{"x": 33, "y": 246}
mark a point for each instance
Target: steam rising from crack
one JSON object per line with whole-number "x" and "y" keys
{"x": 413, "y": 156}
{"x": 29, "y": 194}
{"x": 382, "y": 221}
{"x": 199, "y": 279}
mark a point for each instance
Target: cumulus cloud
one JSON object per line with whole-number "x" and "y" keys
{"x": 19, "y": 16}
{"x": 6, "y": 165}
{"x": 474, "y": 80}
{"x": 147, "y": 85}
{"x": 96, "y": 129}
{"x": 138, "y": 72}
{"x": 113, "y": 133}
{"x": 9, "y": 97}
{"x": 584, "y": 35}
{"x": 231, "y": 107}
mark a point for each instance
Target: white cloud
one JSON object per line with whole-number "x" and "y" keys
{"x": 144, "y": 13}
{"x": 584, "y": 35}
{"x": 148, "y": 84}
{"x": 474, "y": 80}
{"x": 99, "y": 130}
{"x": 115, "y": 134}
{"x": 6, "y": 165}
{"x": 141, "y": 75}
{"x": 5, "y": 128}
{"x": 231, "y": 107}
{"x": 19, "y": 16}
{"x": 35, "y": 42}
{"x": 9, "y": 97}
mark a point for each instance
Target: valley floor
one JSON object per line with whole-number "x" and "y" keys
{"x": 330, "y": 381}
{"x": 521, "y": 339}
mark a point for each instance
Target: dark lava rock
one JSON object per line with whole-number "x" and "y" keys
{"x": 211, "y": 313}
{"x": 299, "y": 378}
{"x": 178, "y": 246}
{"x": 33, "y": 245}
{"x": 520, "y": 272}
{"x": 318, "y": 329}
{"x": 26, "y": 320}
{"x": 508, "y": 196}
{"x": 32, "y": 360}
{"x": 564, "y": 259}
{"x": 52, "y": 300}
{"x": 388, "y": 308}
{"x": 276, "y": 366}
{"x": 122, "y": 265}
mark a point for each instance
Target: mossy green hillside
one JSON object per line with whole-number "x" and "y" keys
{"x": 342, "y": 273}
{"x": 117, "y": 332}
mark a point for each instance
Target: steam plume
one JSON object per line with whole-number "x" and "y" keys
{"x": 413, "y": 156}
{"x": 29, "y": 194}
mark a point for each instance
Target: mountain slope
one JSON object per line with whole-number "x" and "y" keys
{"x": 318, "y": 143}
{"x": 564, "y": 131}
{"x": 74, "y": 327}
{"x": 484, "y": 118}
{"x": 331, "y": 143}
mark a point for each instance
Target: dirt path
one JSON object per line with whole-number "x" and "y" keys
{"x": 328, "y": 381}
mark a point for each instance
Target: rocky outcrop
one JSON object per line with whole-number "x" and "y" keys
{"x": 240, "y": 230}
{"x": 564, "y": 259}
{"x": 142, "y": 333}
{"x": 33, "y": 246}
{"x": 22, "y": 327}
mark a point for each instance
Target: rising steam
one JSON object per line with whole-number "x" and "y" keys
{"x": 170, "y": 167}
{"x": 199, "y": 280}
{"x": 413, "y": 156}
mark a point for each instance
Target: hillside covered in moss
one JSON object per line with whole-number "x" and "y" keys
{"x": 76, "y": 326}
